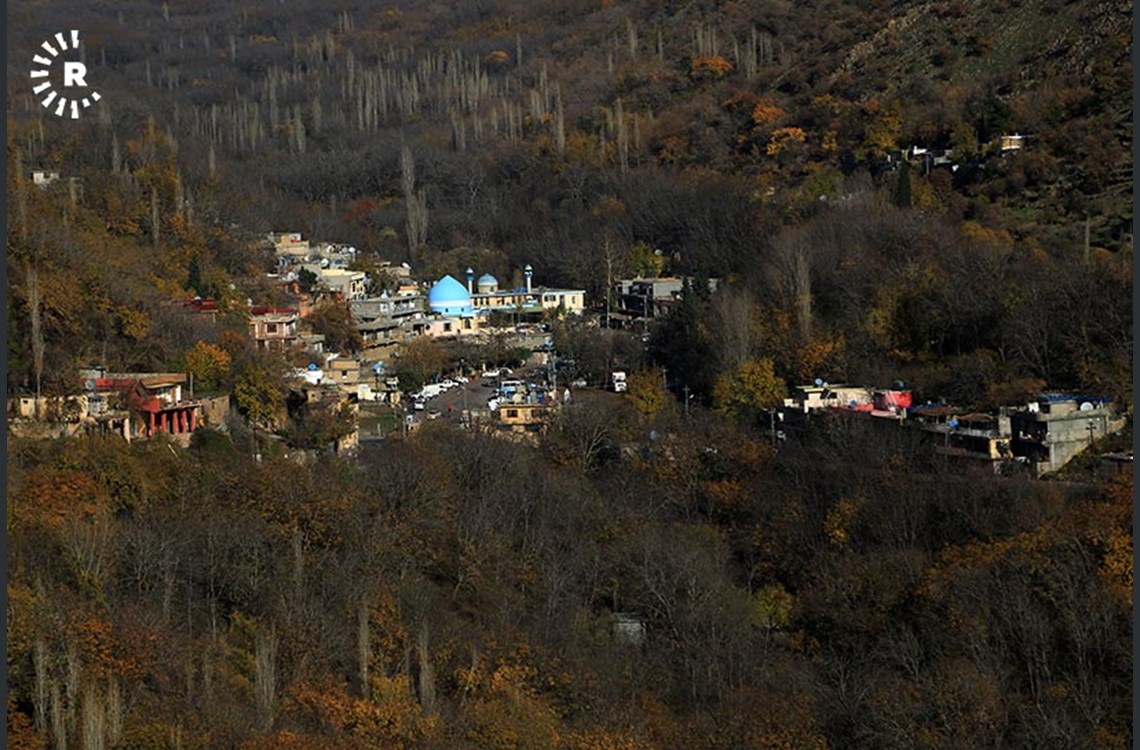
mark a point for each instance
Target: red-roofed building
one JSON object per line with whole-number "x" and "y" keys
{"x": 153, "y": 400}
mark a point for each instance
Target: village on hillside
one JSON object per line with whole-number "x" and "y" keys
{"x": 525, "y": 387}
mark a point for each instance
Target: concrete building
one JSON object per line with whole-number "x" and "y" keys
{"x": 273, "y": 327}
{"x": 1057, "y": 427}
{"x": 344, "y": 372}
{"x": 42, "y": 178}
{"x": 289, "y": 245}
{"x": 386, "y": 320}
{"x": 350, "y": 285}
{"x": 401, "y": 309}
{"x": 648, "y": 298}
{"x": 982, "y": 439}
{"x": 808, "y": 398}
{"x": 527, "y": 414}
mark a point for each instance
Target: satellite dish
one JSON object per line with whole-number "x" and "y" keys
{"x": 312, "y": 367}
{"x": 954, "y": 422}
{"x": 1087, "y": 406}
{"x": 852, "y": 403}
{"x": 819, "y": 381}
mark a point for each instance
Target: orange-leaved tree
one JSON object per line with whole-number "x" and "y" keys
{"x": 752, "y": 388}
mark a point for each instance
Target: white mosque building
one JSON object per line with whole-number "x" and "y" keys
{"x": 457, "y": 310}
{"x": 529, "y": 299}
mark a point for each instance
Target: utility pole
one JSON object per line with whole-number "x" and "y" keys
{"x": 686, "y": 390}
{"x": 463, "y": 373}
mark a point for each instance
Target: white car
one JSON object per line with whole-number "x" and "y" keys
{"x": 418, "y": 404}
{"x": 448, "y": 384}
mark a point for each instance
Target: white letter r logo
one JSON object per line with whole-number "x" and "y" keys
{"x": 73, "y": 74}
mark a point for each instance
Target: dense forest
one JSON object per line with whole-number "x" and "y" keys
{"x": 652, "y": 576}
{"x": 459, "y": 590}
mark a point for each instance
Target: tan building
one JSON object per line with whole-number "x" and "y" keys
{"x": 349, "y": 284}
{"x": 448, "y": 327}
{"x": 344, "y": 372}
{"x": 289, "y": 245}
{"x": 525, "y": 416}
{"x": 486, "y": 296}
{"x": 273, "y": 327}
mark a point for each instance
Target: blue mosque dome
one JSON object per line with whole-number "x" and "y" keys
{"x": 449, "y": 297}
{"x": 488, "y": 283}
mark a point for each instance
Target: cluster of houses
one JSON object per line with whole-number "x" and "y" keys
{"x": 1040, "y": 436}
{"x": 402, "y": 309}
{"x": 927, "y": 158}
{"x": 142, "y": 405}
{"x": 132, "y": 405}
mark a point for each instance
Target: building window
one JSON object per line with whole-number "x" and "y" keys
{"x": 447, "y": 327}
{"x": 512, "y": 413}
{"x": 271, "y": 328}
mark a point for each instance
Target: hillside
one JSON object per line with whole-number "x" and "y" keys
{"x": 717, "y": 133}
{"x": 661, "y": 568}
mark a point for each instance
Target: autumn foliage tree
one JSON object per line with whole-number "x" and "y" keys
{"x": 208, "y": 364}
{"x": 753, "y": 388}
{"x": 334, "y": 321}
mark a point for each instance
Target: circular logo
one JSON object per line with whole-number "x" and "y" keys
{"x": 75, "y": 93}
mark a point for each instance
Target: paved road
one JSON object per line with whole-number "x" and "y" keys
{"x": 473, "y": 395}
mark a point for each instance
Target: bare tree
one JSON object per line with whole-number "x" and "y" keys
{"x": 265, "y": 667}
{"x": 735, "y": 338}
{"x": 35, "y": 305}
{"x": 415, "y": 201}
{"x": 21, "y": 195}
{"x": 364, "y": 645}
{"x": 792, "y": 256}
